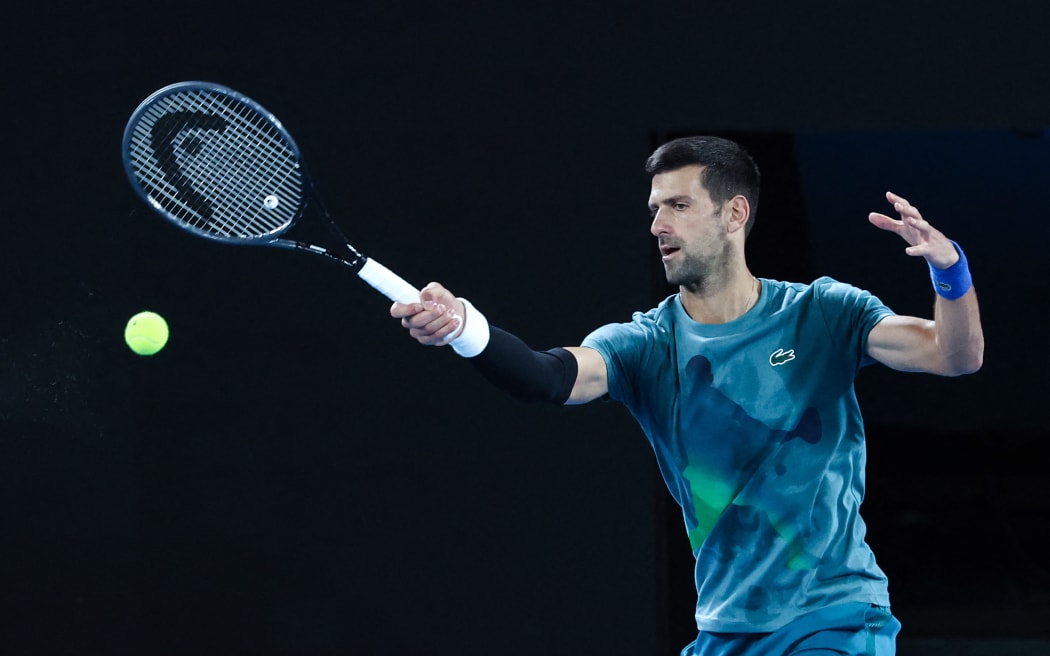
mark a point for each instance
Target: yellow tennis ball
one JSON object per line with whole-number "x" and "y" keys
{"x": 146, "y": 333}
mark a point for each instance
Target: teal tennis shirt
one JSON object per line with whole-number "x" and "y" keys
{"x": 759, "y": 437}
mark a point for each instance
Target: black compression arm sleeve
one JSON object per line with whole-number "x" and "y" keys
{"x": 511, "y": 365}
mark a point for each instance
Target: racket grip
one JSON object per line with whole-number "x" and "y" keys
{"x": 389, "y": 283}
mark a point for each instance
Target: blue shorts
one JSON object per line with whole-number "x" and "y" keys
{"x": 853, "y": 629}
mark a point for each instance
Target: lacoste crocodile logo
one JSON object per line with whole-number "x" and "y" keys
{"x": 780, "y": 356}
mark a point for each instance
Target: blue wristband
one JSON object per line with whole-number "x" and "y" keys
{"x": 953, "y": 282}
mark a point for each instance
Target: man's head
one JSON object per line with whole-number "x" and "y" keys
{"x": 727, "y": 171}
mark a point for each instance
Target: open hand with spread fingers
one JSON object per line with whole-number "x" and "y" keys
{"x": 923, "y": 239}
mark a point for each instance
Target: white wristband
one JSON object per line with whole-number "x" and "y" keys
{"x": 474, "y": 336}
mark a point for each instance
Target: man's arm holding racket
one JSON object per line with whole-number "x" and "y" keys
{"x": 569, "y": 375}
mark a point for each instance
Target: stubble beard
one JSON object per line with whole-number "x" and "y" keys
{"x": 701, "y": 274}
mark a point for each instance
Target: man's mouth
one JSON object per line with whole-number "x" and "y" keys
{"x": 667, "y": 252}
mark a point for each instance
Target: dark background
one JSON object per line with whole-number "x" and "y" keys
{"x": 293, "y": 475}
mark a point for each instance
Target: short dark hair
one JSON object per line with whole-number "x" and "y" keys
{"x": 728, "y": 168}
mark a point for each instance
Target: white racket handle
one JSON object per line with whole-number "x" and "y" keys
{"x": 387, "y": 282}
{"x": 471, "y": 340}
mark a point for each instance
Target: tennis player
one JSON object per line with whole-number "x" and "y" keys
{"x": 745, "y": 388}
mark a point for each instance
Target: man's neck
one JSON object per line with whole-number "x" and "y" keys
{"x": 722, "y": 305}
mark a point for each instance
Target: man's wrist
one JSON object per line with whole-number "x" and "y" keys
{"x": 473, "y": 337}
{"x": 953, "y": 282}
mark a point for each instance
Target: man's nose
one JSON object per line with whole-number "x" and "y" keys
{"x": 660, "y": 225}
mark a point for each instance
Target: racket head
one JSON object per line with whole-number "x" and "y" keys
{"x": 215, "y": 163}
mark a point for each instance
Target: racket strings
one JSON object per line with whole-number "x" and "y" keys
{"x": 217, "y": 165}
{"x": 244, "y": 152}
{"x": 247, "y": 160}
{"x": 155, "y": 148}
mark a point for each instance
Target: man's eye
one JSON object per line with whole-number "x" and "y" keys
{"x": 680, "y": 206}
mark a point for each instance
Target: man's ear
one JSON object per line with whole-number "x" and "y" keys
{"x": 738, "y": 213}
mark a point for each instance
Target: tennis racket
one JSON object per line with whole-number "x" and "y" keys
{"x": 218, "y": 165}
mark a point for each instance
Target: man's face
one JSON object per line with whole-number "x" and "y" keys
{"x": 689, "y": 227}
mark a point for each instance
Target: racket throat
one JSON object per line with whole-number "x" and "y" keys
{"x": 351, "y": 257}
{"x": 355, "y": 260}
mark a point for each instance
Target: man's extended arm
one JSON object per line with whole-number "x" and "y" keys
{"x": 569, "y": 375}
{"x": 952, "y": 343}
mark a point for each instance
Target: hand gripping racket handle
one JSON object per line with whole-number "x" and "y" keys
{"x": 389, "y": 283}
